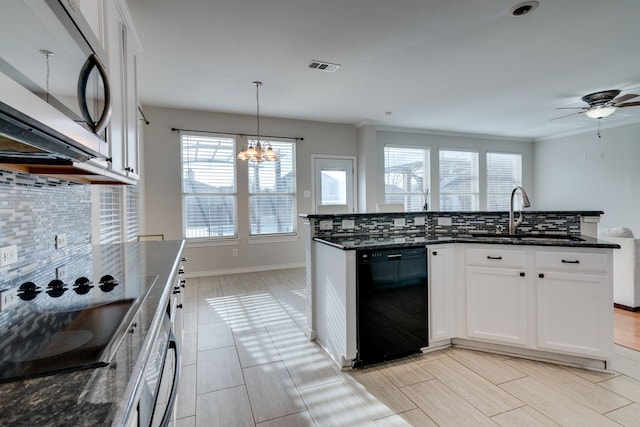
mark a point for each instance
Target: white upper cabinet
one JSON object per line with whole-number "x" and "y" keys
{"x": 123, "y": 47}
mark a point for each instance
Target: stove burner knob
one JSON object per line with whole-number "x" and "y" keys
{"x": 82, "y": 282}
{"x": 108, "y": 279}
{"x": 28, "y": 287}
{"x": 28, "y": 291}
{"x": 56, "y": 284}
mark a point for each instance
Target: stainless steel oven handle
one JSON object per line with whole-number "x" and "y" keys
{"x": 91, "y": 62}
{"x": 173, "y": 345}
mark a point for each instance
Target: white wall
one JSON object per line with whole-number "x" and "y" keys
{"x": 584, "y": 172}
{"x": 162, "y": 182}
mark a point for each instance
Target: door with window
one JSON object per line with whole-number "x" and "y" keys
{"x": 334, "y": 185}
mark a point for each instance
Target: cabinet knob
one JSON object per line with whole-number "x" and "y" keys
{"x": 184, "y": 258}
{"x": 435, "y": 252}
{"x": 522, "y": 274}
{"x": 541, "y": 275}
{"x": 179, "y": 306}
{"x": 493, "y": 257}
{"x": 176, "y": 290}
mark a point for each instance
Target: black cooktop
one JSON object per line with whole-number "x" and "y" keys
{"x": 69, "y": 323}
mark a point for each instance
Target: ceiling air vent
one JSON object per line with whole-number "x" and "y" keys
{"x": 323, "y": 66}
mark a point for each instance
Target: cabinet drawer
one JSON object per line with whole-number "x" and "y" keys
{"x": 496, "y": 256}
{"x": 572, "y": 261}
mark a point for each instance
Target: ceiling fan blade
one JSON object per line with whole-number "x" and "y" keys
{"x": 567, "y": 115}
{"x": 623, "y": 98}
{"x": 572, "y": 108}
{"x": 629, "y": 104}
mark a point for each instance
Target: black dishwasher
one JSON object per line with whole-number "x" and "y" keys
{"x": 391, "y": 295}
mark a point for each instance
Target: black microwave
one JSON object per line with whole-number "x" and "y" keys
{"x": 55, "y": 97}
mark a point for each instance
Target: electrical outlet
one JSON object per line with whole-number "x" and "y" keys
{"x": 348, "y": 224}
{"x": 444, "y": 220}
{"x": 8, "y": 297}
{"x": 234, "y": 252}
{"x": 61, "y": 241}
{"x": 398, "y": 222}
{"x": 8, "y": 255}
{"x": 326, "y": 224}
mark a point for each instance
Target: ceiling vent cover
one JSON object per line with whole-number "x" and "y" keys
{"x": 324, "y": 66}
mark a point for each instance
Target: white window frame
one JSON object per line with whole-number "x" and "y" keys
{"x": 425, "y": 193}
{"x": 477, "y": 191}
{"x": 234, "y": 194}
{"x": 507, "y": 194}
{"x": 292, "y": 194}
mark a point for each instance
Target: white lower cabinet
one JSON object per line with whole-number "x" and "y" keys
{"x": 441, "y": 292}
{"x": 546, "y": 299}
{"x": 574, "y": 303}
{"x": 497, "y": 305}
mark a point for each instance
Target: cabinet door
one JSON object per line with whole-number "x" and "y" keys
{"x": 497, "y": 304}
{"x": 115, "y": 49}
{"x": 572, "y": 313}
{"x": 131, "y": 107}
{"x": 441, "y": 292}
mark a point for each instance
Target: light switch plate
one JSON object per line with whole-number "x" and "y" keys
{"x": 444, "y": 220}
{"x": 326, "y": 224}
{"x": 61, "y": 241}
{"x": 419, "y": 220}
{"x": 398, "y": 222}
{"x": 348, "y": 223}
{"x": 8, "y": 255}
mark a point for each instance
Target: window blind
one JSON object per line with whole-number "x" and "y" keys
{"x": 406, "y": 176}
{"x": 209, "y": 186}
{"x": 504, "y": 173}
{"x": 272, "y": 192}
{"x": 459, "y": 186}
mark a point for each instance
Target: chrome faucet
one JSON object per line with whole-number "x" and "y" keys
{"x": 515, "y": 223}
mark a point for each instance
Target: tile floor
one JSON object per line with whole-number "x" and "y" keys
{"x": 247, "y": 363}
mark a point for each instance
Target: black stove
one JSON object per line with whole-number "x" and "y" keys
{"x": 61, "y": 325}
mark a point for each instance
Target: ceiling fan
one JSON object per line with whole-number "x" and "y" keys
{"x": 602, "y": 104}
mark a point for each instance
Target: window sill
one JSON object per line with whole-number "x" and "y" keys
{"x": 273, "y": 238}
{"x": 202, "y": 243}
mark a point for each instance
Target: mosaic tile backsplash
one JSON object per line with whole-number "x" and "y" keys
{"x": 447, "y": 223}
{"x": 33, "y": 210}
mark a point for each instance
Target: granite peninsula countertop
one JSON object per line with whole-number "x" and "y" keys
{"x": 399, "y": 240}
{"x": 101, "y": 396}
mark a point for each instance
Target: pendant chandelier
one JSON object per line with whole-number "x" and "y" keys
{"x": 253, "y": 150}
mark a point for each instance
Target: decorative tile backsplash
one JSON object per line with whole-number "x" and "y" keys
{"x": 33, "y": 210}
{"x": 446, "y": 223}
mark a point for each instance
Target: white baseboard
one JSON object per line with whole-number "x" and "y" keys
{"x": 194, "y": 274}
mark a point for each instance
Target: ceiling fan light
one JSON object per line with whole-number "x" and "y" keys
{"x": 600, "y": 112}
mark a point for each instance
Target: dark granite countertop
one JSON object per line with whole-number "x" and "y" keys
{"x": 445, "y": 213}
{"x": 394, "y": 241}
{"x": 101, "y": 396}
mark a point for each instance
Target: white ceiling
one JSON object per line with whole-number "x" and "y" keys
{"x": 455, "y": 65}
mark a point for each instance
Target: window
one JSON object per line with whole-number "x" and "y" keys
{"x": 209, "y": 186}
{"x": 406, "y": 177}
{"x": 504, "y": 173}
{"x": 272, "y": 192}
{"x": 459, "y": 190}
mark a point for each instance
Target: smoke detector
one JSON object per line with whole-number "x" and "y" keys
{"x": 324, "y": 66}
